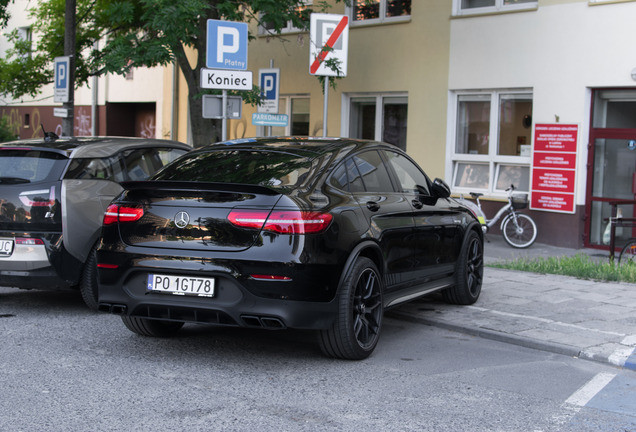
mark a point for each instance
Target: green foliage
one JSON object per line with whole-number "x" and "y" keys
{"x": 580, "y": 266}
{"x": 4, "y": 14}
{"x": 5, "y": 130}
{"x": 334, "y": 65}
{"x": 114, "y": 36}
{"x": 21, "y": 72}
{"x": 137, "y": 33}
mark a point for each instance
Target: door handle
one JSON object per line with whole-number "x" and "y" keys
{"x": 373, "y": 206}
{"x": 417, "y": 204}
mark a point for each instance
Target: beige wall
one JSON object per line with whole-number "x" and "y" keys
{"x": 409, "y": 58}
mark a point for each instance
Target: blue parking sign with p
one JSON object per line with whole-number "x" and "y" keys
{"x": 62, "y": 68}
{"x": 269, "y": 82}
{"x": 268, "y": 85}
{"x": 226, "y": 45}
{"x": 61, "y": 74}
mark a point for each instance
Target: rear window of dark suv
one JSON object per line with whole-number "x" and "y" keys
{"x": 30, "y": 166}
{"x": 271, "y": 169}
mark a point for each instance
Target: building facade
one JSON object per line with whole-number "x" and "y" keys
{"x": 521, "y": 68}
{"x": 482, "y": 93}
{"x": 130, "y": 105}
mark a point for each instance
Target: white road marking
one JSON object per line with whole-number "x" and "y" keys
{"x": 583, "y": 395}
{"x": 629, "y": 341}
{"x": 620, "y": 356}
{"x": 549, "y": 321}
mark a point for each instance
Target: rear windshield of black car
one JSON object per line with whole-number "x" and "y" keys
{"x": 270, "y": 169}
{"x": 30, "y": 166}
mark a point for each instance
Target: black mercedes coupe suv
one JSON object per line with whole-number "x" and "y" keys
{"x": 276, "y": 233}
{"x": 53, "y": 194}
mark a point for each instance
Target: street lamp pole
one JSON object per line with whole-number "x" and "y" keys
{"x": 69, "y": 50}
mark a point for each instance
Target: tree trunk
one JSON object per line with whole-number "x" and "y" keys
{"x": 204, "y": 131}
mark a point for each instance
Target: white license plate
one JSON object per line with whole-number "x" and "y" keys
{"x": 6, "y": 247}
{"x": 181, "y": 285}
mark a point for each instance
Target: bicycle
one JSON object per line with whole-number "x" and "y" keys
{"x": 519, "y": 230}
{"x": 628, "y": 253}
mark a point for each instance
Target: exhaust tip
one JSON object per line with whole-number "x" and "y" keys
{"x": 111, "y": 308}
{"x": 104, "y": 307}
{"x": 272, "y": 323}
{"x": 269, "y": 323}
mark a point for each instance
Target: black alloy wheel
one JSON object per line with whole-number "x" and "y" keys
{"x": 469, "y": 272}
{"x": 356, "y": 331}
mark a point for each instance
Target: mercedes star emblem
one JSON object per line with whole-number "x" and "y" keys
{"x": 181, "y": 219}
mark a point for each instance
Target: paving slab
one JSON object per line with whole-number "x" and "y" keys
{"x": 581, "y": 318}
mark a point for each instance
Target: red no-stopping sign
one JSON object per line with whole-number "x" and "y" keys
{"x": 329, "y": 35}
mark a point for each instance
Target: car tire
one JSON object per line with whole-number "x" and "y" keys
{"x": 355, "y": 333}
{"x": 469, "y": 272}
{"x": 151, "y": 327}
{"x": 88, "y": 280}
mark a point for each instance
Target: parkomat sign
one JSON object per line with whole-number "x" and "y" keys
{"x": 554, "y": 167}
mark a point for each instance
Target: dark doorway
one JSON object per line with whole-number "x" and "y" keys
{"x": 131, "y": 119}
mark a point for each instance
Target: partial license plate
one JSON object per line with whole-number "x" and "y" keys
{"x": 181, "y": 285}
{"x": 6, "y": 247}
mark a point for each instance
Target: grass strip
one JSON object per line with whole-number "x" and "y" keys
{"x": 580, "y": 266}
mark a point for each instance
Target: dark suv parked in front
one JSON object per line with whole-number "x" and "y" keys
{"x": 52, "y": 201}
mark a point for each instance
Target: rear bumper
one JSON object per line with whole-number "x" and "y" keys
{"x": 231, "y": 306}
{"x": 28, "y": 267}
{"x": 306, "y": 300}
{"x": 41, "y": 279}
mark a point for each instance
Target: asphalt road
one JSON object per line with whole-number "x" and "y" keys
{"x": 65, "y": 368}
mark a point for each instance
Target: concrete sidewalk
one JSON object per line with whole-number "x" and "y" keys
{"x": 560, "y": 314}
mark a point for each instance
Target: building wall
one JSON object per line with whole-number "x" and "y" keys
{"x": 142, "y": 87}
{"x": 407, "y": 58}
{"x": 560, "y": 51}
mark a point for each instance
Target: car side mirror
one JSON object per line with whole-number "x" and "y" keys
{"x": 440, "y": 189}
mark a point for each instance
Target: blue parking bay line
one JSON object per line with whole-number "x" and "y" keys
{"x": 630, "y": 363}
{"x": 617, "y": 397}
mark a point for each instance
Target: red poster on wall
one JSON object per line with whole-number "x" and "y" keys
{"x": 554, "y": 167}
{"x": 552, "y": 180}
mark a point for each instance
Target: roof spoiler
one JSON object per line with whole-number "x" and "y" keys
{"x": 198, "y": 186}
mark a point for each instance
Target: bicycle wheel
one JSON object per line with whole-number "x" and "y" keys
{"x": 519, "y": 232}
{"x": 628, "y": 253}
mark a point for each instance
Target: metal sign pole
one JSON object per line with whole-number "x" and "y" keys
{"x": 224, "y": 108}
{"x": 269, "y": 128}
{"x": 324, "y": 110}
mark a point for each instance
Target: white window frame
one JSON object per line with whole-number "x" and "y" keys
{"x": 597, "y": 2}
{"x": 383, "y": 19}
{"x": 492, "y": 159}
{"x": 287, "y": 102}
{"x": 289, "y": 28}
{"x": 26, "y": 34}
{"x": 497, "y": 8}
{"x": 379, "y": 112}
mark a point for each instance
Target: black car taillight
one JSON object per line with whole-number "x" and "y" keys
{"x": 122, "y": 214}
{"x": 281, "y": 221}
